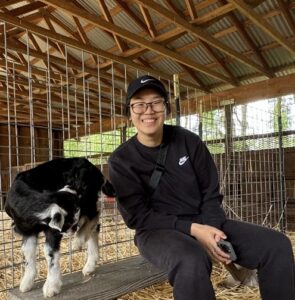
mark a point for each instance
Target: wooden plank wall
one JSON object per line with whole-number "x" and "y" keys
{"x": 290, "y": 186}
{"x": 21, "y": 155}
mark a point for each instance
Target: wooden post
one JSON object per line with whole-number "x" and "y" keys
{"x": 177, "y": 97}
{"x": 201, "y": 119}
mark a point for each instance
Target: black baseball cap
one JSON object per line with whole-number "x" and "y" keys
{"x": 145, "y": 81}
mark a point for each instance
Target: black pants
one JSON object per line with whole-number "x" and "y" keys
{"x": 189, "y": 266}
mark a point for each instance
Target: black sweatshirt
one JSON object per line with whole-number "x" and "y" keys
{"x": 188, "y": 190}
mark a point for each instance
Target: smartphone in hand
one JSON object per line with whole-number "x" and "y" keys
{"x": 227, "y": 247}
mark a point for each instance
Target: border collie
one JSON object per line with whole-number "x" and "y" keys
{"x": 59, "y": 197}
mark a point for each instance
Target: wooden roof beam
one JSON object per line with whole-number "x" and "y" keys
{"x": 259, "y": 21}
{"x": 214, "y": 15}
{"x": 24, "y": 9}
{"x": 58, "y": 22}
{"x": 162, "y": 38}
{"x": 212, "y": 54}
{"x": 219, "y": 62}
{"x": 197, "y": 79}
{"x": 132, "y": 15}
{"x": 203, "y": 35}
{"x": 58, "y": 47}
{"x": 176, "y": 32}
{"x": 148, "y": 21}
{"x": 136, "y": 39}
{"x": 191, "y": 9}
{"x": 91, "y": 49}
{"x": 285, "y": 11}
{"x": 83, "y": 37}
{"x": 173, "y": 7}
{"x": 56, "y": 60}
{"x": 34, "y": 18}
{"x": 5, "y": 3}
{"x": 248, "y": 40}
{"x": 120, "y": 43}
{"x": 274, "y": 87}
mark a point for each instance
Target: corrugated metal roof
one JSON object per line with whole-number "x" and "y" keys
{"x": 65, "y": 19}
{"x": 278, "y": 57}
{"x": 168, "y": 65}
{"x": 100, "y": 39}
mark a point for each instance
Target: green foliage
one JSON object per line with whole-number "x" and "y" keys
{"x": 96, "y": 147}
{"x": 256, "y": 118}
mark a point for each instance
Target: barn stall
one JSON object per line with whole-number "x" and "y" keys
{"x": 228, "y": 67}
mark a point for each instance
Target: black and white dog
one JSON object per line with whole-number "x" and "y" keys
{"x": 58, "y": 197}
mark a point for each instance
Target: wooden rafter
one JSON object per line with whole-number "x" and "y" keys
{"x": 286, "y": 12}
{"x": 219, "y": 62}
{"x": 149, "y": 21}
{"x": 248, "y": 40}
{"x": 202, "y": 35}
{"x": 173, "y": 7}
{"x": 83, "y": 37}
{"x": 177, "y": 19}
{"x": 186, "y": 68}
{"x": 191, "y": 9}
{"x": 214, "y": 15}
{"x": 91, "y": 49}
{"x": 108, "y": 17}
{"x": 262, "y": 24}
{"x": 137, "y": 39}
{"x": 22, "y": 10}
{"x": 5, "y": 3}
{"x": 212, "y": 55}
{"x": 132, "y": 15}
{"x": 197, "y": 79}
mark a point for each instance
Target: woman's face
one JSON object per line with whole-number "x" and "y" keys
{"x": 148, "y": 119}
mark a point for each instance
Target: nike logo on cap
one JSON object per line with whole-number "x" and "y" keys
{"x": 182, "y": 160}
{"x": 145, "y": 80}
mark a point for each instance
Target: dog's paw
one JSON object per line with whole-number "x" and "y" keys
{"x": 27, "y": 282}
{"x": 89, "y": 268}
{"x": 51, "y": 287}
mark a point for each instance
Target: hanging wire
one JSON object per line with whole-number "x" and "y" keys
{"x": 68, "y": 92}
{"x": 102, "y": 232}
{"x": 32, "y": 131}
{"x": 9, "y": 146}
{"x": 113, "y": 116}
{"x": 84, "y": 105}
{"x": 49, "y": 103}
{"x": 88, "y": 112}
{"x": 62, "y": 107}
{"x": 8, "y": 107}
{"x": 76, "y": 110}
{"x": 15, "y": 118}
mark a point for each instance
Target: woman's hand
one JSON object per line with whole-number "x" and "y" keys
{"x": 208, "y": 236}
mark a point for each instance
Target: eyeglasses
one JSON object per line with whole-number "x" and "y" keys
{"x": 141, "y": 107}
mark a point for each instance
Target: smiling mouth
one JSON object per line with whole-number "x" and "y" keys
{"x": 149, "y": 120}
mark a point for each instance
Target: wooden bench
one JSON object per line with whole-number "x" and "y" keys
{"x": 108, "y": 282}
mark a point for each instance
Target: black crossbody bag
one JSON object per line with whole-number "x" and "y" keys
{"x": 159, "y": 169}
{"x": 160, "y": 164}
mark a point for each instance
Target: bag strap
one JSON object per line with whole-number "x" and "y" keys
{"x": 161, "y": 159}
{"x": 160, "y": 167}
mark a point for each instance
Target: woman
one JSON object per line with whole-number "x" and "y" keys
{"x": 179, "y": 224}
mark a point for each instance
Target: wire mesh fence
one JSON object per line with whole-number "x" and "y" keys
{"x": 53, "y": 112}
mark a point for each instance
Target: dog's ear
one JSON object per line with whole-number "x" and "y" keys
{"x": 57, "y": 220}
{"x": 53, "y": 216}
